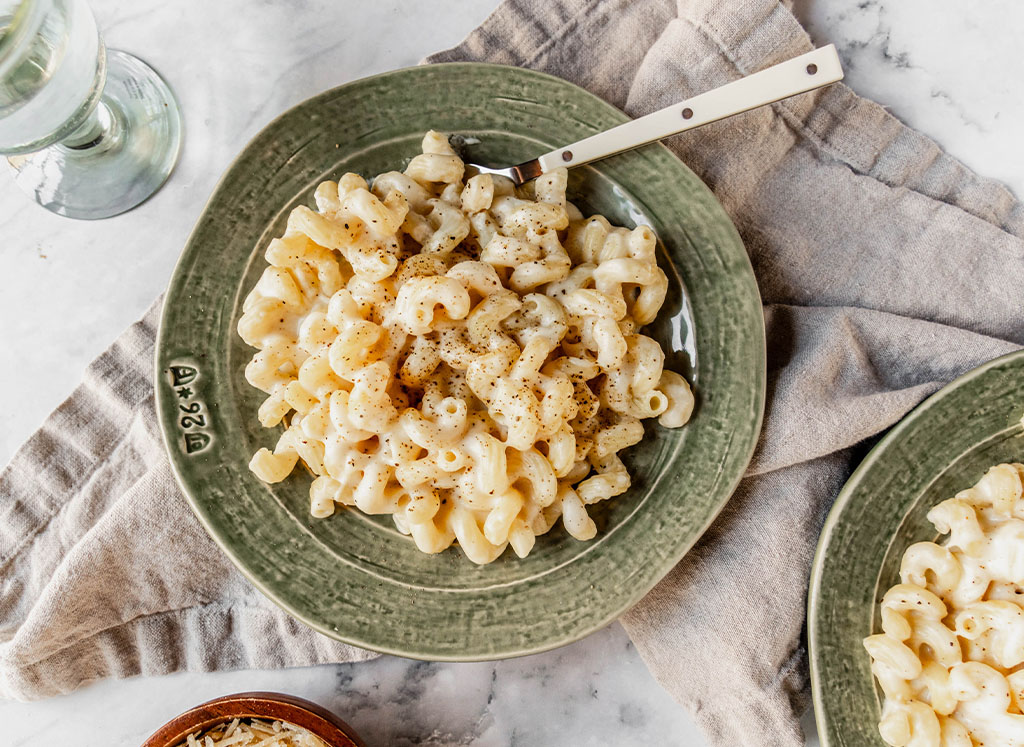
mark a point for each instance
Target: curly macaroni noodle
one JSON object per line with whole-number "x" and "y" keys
{"x": 950, "y": 659}
{"x": 462, "y": 355}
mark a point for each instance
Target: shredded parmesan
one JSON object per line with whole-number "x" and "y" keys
{"x": 254, "y": 733}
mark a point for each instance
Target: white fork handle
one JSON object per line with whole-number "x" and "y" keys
{"x": 798, "y": 75}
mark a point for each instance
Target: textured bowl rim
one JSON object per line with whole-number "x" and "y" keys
{"x": 628, "y": 600}
{"x": 877, "y": 452}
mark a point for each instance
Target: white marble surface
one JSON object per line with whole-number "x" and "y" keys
{"x": 949, "y": 69}
{"x": 68, "y": 288}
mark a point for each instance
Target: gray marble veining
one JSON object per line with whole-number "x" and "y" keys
{"x": 947, "y": 69}
{"x": 592, "y": 693}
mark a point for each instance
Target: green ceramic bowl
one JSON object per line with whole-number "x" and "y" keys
{"x": 354, "y": 577}
{"x": 942, "y": 447}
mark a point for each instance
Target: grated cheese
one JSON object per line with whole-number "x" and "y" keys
{"x": 254, "y": 733}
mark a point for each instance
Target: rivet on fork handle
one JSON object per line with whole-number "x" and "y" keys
{"x": 798, "y": 75}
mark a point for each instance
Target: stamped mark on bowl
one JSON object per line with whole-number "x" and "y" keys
{"x": 193, "y": 414}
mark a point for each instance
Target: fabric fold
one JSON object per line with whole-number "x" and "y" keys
{"x": 105, "y": 570}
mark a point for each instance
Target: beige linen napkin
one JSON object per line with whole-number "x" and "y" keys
{"x": 886, "y": 269}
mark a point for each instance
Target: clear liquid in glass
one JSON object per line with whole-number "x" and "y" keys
{"x": 53, "y": 76}
{"x": 89, "y": 132}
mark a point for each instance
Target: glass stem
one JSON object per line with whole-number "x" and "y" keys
{"x": 100, "y": 132}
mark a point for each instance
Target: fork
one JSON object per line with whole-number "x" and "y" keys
{"x": 798, "y": 75}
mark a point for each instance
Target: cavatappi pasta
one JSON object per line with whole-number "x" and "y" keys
{"x": 950, "y": 659}
{"x": 460, "y": 354}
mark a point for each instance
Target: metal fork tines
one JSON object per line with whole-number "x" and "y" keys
{"x": 519, "y": 174}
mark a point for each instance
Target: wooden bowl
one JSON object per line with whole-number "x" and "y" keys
{"x": 268, "y": 706}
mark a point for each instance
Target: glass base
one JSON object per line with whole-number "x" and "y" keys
{"x": 129, "y": 156}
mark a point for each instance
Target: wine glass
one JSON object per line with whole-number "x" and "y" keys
{"x": 89, "y": 132}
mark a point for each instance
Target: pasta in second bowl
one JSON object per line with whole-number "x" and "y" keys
{"x": 946, "y": 445}
{"x": 356, "y": 576}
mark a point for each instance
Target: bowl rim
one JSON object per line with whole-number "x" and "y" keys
{"x": 270, "y": 706}
{"x": 758, "y": 385}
